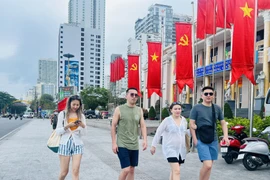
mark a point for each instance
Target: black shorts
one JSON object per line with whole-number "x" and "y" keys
{"x": 128, "y": 157}
{"x": 175, "y": 160}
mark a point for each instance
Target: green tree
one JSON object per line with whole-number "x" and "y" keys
{"x": 165, "y": 113}
{"x": 17, "y": 108}
{"x": 47, "y": 102}
{"x": 152, "y": 113}
{"x": 227, "y": 111}
{"x": 93, "y": 97}
{"x": 5, "y": 100}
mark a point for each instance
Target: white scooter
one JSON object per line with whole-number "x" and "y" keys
{"x": 256, "y": 151}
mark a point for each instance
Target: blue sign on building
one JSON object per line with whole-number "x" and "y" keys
{"x": 218, "y": 67}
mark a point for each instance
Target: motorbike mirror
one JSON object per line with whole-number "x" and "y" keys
{"x": 254, "y": 129}
{"x": 266, "y": 130}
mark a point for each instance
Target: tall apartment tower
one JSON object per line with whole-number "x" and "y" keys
{"x": 158, "y": 16}
{"x": 47, "y": 71}
{"x": 84, "y": 37}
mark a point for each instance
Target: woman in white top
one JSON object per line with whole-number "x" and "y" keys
{"x": 173, "y": 130}
{"x": 71, "y": 124}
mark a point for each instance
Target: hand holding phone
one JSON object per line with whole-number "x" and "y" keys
{"x": 78, "y": 122}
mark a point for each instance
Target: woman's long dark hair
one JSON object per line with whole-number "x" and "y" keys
{"x": 68, "y": 106}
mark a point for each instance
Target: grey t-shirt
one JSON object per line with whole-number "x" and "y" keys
{"x": 203, "y": 116}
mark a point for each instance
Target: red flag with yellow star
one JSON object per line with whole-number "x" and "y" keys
{"x": 133, "y": 72}
{"x": 154, "y": 69}
{"x": 184, "y": 72}
{"x": 243, "y": 40}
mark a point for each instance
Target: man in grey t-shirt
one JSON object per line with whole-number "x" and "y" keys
{"x": 201, "y": 114}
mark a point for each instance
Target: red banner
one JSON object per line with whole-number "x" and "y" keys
{"x": 223, "y": 9}
{"x": 133, "y": 72}
{"x": 184, "y": 70}
{"x": 154, "y": 69}
{"x": 121, "y": 68}
{"x": 201, "y": 13}
{"x": 243, "y": 40}
{"x": 210, "y": 27}
{"x": 264, "y": 4}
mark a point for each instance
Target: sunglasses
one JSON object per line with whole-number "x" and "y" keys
{"x": 210, "y": 94}
{"x": 75, "y": 97}
{"x": 134, "y": 95}
{"x": 176, "y": 103}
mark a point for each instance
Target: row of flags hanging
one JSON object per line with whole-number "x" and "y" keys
{"x": 238, "y": 14}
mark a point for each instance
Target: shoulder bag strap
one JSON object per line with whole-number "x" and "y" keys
{"x": 64, "y": 114}
{"x": 214, "y": 119}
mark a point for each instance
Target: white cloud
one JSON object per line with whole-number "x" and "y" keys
{"x": 15, "y": 88}
{"x": 7, "y": 49}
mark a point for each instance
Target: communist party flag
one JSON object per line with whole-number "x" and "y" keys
{"x": 243, "y": 40}
{"x": 133, "y": 72}
{"x": 210, "y": 17}
{"x": 184, "y": 70}
{"x": 154, "y": 69}
{"x": 264, "y": 4}
{"x": 201, "y": 13}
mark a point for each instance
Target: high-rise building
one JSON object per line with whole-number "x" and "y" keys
{"x": 83, "y": 37}
{"x": 47, "y": 71}
{"x": 159, "y": 16}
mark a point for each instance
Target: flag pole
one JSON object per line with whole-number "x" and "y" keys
{"x": 161, "y": 72}
{"x": 193, "y": 56}
{"x": 224, "y": 56}
{"x": 252, "y": 85}
{"x": 140, "y": 67}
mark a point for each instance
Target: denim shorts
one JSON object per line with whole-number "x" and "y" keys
{"x": 128, "y": 157}
{"x": 207, "y": 151}
{"x": 70, "y": 148}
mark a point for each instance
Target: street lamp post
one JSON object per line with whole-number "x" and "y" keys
{"x": 68, "y": 71}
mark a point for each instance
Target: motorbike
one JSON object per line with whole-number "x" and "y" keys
{"x": 231, "y": 152}
{"x": 9, "y": 117}
{"x": 256, "y": 151}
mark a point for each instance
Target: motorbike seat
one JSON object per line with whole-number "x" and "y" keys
{"x": 256, "y": 139}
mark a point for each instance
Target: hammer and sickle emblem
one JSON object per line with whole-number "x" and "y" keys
{"x": 183, "y": 41}
{"x": 134, "y": 67}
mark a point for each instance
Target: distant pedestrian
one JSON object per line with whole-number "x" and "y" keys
{"x": 127, "y": 118}
{"x": 54, "y": 119}
{"x": 71, "y": 125}
{"x": 173, "y": 130}
{"x": 203, "y": 129}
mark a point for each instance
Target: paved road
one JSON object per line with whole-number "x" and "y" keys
{"x": 24, "y": 156}
{"x": 6, "y": 125}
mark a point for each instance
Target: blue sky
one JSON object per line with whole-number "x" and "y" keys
{"x": 29, "y": 31}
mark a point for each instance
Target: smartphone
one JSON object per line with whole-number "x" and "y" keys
{"x": 77, "y": 122}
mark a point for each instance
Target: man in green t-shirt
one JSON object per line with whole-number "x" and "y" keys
{"x": 128, "y": 118}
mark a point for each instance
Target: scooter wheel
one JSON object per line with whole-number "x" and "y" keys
{"x": 249, "y": 164}
{"x": 228, "y": 159}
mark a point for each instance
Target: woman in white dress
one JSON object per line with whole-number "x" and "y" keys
{"x": 173, "y": 130}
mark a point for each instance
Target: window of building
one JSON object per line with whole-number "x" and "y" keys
{"x": 97, "y": 77}
{"x": 82, "y": 64}
{"x": 97, "y": 72}
{"x": 98, "y": 36}
{"x": 61, "y": 62}
{"x": 98, "y": 41}
{"x": 82, "y": 49}
{"x": 92, "y": 53}
{"x": 61, "y": 27}
{"x": 82, "y": 73}
{"x": 97, "y": 63}
{"x": 97, "y": 50}
{"x": 82, "y": 68}
{"x": 98, "y": 45}
{"x": 82, "y": 78}
{"x": 61, "y": 72}
{"x": 61, "y": 37}
{"x": 91, "y": 81}
{"x": 97, "y": 54}
{"x": 82, "y": 39}
{"x": 92, "y": 35}
{"x": 97, "y": 82}
{"x": 82, "y": 34}
{"x": 82, "y": 54}
{"x": 81, "y": 83}
{"x": 91, "y": 71}
{"x": 82, "y": 44}
{"x": 61, "y": 76}
{"x": 61, "y": 32}
{"x": 81, "y": 88}
{"x": 97, "y": 68}
{"x": 61, "y": 57}
{"x": 92, "y": 44}
{"x": 82, "y": 58}
{"x": 82, "y": 29}
{"x": 61, "y": 66}
{"x": 61, "y": 41}
{"x": 92, "y": 39}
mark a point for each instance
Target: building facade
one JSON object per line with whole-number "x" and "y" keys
{"x": 47, "y": 71}
{"x": 83, "y": 37}
{"x": 209, "y": 56}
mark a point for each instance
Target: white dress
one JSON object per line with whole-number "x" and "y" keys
{"x": 173, "y": 137}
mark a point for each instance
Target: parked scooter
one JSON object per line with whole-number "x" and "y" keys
{"x": 256, "y": 151}
{"x": 230, "y": 153}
